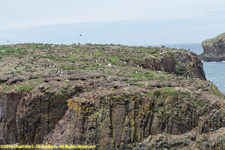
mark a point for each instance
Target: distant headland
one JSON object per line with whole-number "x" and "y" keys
{"x": 214, "y": 49}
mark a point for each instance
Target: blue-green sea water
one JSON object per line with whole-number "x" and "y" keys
{"x": 214, "y": 71}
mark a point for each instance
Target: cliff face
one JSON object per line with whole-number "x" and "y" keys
{"x": 214, "y": 49}
{"x": 121, "y": 121}
{"x": 111, "y": 96}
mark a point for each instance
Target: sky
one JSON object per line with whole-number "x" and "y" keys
{"x": 128, "y": 22}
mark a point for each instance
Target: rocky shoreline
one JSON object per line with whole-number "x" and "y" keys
{"x": 111, "y": 96}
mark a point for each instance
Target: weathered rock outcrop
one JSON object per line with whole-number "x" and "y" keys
{"x": 181, "y": 63}
{"x": 214, "y": 49}
{"x": 114, "y": 97}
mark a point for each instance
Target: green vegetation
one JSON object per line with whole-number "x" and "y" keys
{"x": 7, "y": 88}
{"x": 28, "y": 85}
{"x": 170, "y": 91}
{"x": 157, "y": 93}
{"x": 66, "y": 67}
{"x": 70, "y": 58}
{"x": 98, "y": 53}
{"x": 149, "y": 94}
{"x": 139, "y": 84}
{"x": 114, "y": 59}
{"x": 25, "y": 88}
{"x": 29, "y": 69}
{"x": 18, "y": 52}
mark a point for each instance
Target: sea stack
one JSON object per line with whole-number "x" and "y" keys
{"x": 214, "y": 49}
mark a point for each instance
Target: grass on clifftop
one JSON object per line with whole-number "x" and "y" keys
{"x": 118, "y": 61}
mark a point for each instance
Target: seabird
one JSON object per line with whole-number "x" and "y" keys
{"x": 109, "y": 64}
{"x": 80, "y": 34}
{"x": 164, "y": 77}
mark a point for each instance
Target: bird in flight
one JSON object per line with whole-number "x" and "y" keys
{"x": 80, "y": 34}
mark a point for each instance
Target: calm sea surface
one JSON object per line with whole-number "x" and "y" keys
{"x": 215, "y": 71}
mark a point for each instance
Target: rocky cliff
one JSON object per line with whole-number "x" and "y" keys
{"x": 111, "y": 96}
{"x": 214, "y": 49}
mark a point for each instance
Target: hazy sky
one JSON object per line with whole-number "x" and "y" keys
{"x": 130, "y": 22}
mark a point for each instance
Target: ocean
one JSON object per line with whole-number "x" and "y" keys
{"x": 214, "y": 71}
